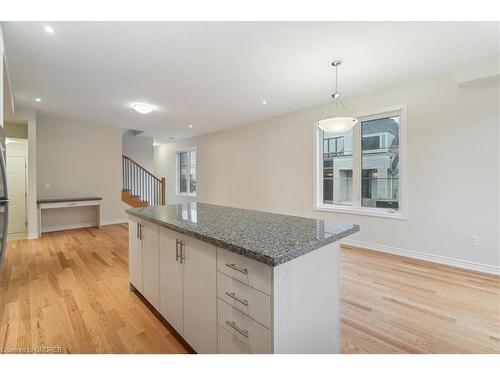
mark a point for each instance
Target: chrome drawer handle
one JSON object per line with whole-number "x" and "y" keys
{"x": 239, "y": 299}
{"x": 177, "y": 254}
{"x": 72, "y": 204}
{"x": 233, "y": 325}
{"x": 236, "y": 268}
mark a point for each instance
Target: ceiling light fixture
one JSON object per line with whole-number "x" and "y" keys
{"x": 38, "y": 100}
{"x": 264, "y": 102}
{"x": 143, "y": 108}
{"x": 49, "y": 29}
{"x": 190, "y": 126}
{"x": 336, "y": 124}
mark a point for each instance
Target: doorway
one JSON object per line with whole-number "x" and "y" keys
{"x": 16, "y": 160}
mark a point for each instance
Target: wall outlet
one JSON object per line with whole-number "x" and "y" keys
{"x": 473, "y": 240}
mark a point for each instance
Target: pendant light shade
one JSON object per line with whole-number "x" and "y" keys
{"x": 336, "y": 124}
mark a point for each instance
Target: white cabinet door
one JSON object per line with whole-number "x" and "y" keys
{"x": 134, "y": 254}
{"x": 200, "y": 295}
{"x": 171, "y": 303}
{"x": 151, "y": 263}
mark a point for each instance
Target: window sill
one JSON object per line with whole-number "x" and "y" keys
{"x": 360, "y": 211}
{"x": 190, "y": 195}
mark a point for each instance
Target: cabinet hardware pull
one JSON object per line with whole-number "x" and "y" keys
{"x": 181, "y": 257}
{"x": 72, "y": 204}
{"x": 140, "y": 231}
{"x": 239, "y": 299}
{"x": 233, "y": 325}
{"x": 177, "y": 256}
{"x": 236, "y": 268}
{"x": 137, "y": 230}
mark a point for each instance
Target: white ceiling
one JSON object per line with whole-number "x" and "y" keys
{"x": 215, "y": 75}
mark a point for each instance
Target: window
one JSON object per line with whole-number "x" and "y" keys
{"x": 361, "y": 171}
{"x": 186, "y": 172}
{"x": 334, "y": 145}
{"x": 370, "y": 143}
{"x": 337, "y": 168}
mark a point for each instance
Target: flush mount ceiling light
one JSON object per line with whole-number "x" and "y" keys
{"x": 38, "y": 100}
{"x": 336, "y": 124}
{"x": 49, "y": 29}
{"x": 190, "y": 126}
{"x": 264, "y": 102}
{"x": 143, "y": 108}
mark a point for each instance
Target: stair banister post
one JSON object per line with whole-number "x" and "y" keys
{"x": 163, "y": 189}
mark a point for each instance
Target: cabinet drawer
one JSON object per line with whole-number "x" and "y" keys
{"x": 246, "y": 299}
{"x": 246, "y": 270}
{"x": 229, "y": 344}
{"x": 247, "y": 330}
{"x": 69, "y": 204}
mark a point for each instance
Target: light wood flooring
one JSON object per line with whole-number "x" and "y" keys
{"x": 68, "y": 292}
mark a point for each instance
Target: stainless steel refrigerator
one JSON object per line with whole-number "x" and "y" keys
{"x": 4, "y": 200}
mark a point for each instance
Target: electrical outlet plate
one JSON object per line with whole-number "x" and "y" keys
{"x": 473, "y": 240}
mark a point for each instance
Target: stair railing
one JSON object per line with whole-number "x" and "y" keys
{"x": 142, "y": 183}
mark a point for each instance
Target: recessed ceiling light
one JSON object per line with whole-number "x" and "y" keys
{"x": 49, "y": 29}
{"x": 264, "y": 102}
{"x": 38, "y": 100}
{"x": 143, "y": 108}
{"x": 190, "y": 126}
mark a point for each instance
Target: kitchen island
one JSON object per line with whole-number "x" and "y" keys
{"x": 231, "y": 280}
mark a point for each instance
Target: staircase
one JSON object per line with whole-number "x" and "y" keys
{"x": 141, "y": 188}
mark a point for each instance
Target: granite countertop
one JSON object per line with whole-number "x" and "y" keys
{"x": 266, "y": 237}
{"x": 74, "y": 199}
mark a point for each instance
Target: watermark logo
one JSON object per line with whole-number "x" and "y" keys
{"x": 32, "y": 350}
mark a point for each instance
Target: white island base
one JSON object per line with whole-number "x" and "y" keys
{"x": 222, "y": 302}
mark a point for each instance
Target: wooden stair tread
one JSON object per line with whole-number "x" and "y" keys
{"x": 151, "y": 188}
{"x": 133, "y": 200}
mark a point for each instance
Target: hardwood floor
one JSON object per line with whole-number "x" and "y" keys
{"x": 68, "y": 292}
{"x": 392, "y": 304}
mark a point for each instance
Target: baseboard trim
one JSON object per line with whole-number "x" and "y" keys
{"x": 32, "y": 236}
{"x": 114, "y": 221}
{"x": 465, "y": 264}
{"x": 81, "y": 225}
{"x": 68, "y": 227}
{"x": 16, "y": 236}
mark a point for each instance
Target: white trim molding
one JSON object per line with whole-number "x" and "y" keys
{"x": 115, "y": 221}
{"x": 33, "y": 236}
{"x": 439, "y": 259}
{"x": 79, "y": 226}
{"x": 68, "y": 227}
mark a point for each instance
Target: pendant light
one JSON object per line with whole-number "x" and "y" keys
{"x": 336, "y": 124}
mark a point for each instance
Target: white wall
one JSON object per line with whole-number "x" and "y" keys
{"x": 140, "y": 149}
{"x": 79, "y": 159}
{"x": 453, "y": 164}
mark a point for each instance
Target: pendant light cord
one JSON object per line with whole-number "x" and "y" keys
{"x": 336, "y": 99}
{"x": 336, "y": 89}
{"x": 336, "y": 95}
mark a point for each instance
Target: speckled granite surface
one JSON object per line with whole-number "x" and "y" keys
{"x": 266, "y": 237}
